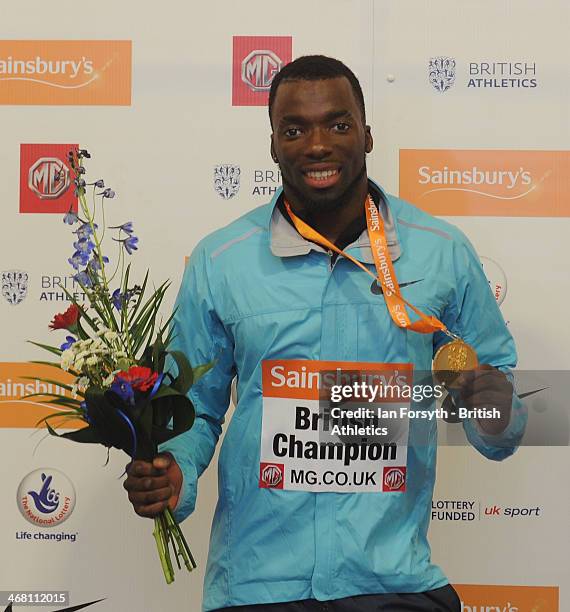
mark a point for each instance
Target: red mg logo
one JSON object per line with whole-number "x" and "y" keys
{"x": 271, "y": 475}
{"x": 48, "y": 178}
{"x": 258, "y": 69}
{"x": 394, "y": 479}
{"x": 256, "y": 60}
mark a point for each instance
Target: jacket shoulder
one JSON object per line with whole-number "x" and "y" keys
{"x": 410, "y": 217}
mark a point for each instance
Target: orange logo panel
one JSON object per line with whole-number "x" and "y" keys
{"x": 508, "y": 598}
{"x": 20, "y": 379}
{"x": 65, "y": 72}
{"x": 487, "y": 183}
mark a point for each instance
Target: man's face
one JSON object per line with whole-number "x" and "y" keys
{"x": 319, "y": 140}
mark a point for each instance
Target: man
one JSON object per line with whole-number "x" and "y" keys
{"x": 258, "y": 291}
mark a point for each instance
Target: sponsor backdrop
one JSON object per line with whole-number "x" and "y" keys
{"x": 468, "y": 104}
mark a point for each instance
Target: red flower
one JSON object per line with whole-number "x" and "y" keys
{"x": 67, "y": 320}
{"x": 140, "y": 378}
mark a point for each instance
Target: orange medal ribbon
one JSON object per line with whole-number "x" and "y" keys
{"x": 384, "y": 267}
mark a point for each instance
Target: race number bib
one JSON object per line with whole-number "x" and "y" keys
{"x": 334, "y": 426}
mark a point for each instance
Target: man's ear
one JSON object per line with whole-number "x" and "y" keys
{"x": 368, "y": 140}
{"x": 272, "y": 151}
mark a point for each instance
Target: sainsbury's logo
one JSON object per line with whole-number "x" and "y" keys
{"x": 23, "y": 393}
{"x": 446, "y": 178}
{"x": 65, "y": 72}
{"x": 495, "y": 598}
{"x": 487, "y": 182}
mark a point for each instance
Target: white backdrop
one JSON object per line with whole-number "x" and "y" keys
{"x": 159, "y": 155}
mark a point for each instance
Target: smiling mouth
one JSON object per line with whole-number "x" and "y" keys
{"x": 322, "y": 178}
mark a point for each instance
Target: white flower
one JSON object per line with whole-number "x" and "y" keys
{"x": 67, "y": 358}
{"x": 91, "y": 361}
{"x": 111, "y": 335}
{"x": 108, "y": 381}
{"x": 83, "y": 382}
{"x": 78, "y": 364}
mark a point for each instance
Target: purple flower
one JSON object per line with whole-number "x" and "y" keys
{"x": 85, "y": 230}
{"x": 84, "y": 153}
{"x": 95, "y": 265}
{"x": 108, "y": 193}
{"x": 69, "y": 340}
{"x": 100, "y": 183}
{"x": 79, "y": 259}
{"x": 70, "y": 217}
{"x": 130, "y": 244}
{"x": 117, "y": 299}
{"x": 123, "y": 389}
{"x": 126, "y": 227}
{"x": 83, "y": 279}
{"x": 84, "y": 245}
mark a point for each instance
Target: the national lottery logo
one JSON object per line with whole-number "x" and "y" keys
{"x": 227, "y": 180}
{"x": 441, "y": 72}
{"x": 46, "y": 497}
{"x": 14, "y": 286}
{"x": 271, "y": 475}
{"x": 496, "y": 277}
{"x": 394, "y": 479}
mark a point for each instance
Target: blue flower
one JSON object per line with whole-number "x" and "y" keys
{"x": 84, "y": 245}
{"x": 95, "y": 265}
{"x": 83, "y": 279}
{"x": 79, "y": 259}
{"x": 117, "y": 299}
{"x": 69, "y": 340}
{"x": 85, "y": 230}
{"x": 123, "y": 389}
{"x": 130, "y": 244}
{"x": 70, "y": 217}
{"x": 126, "y": 227}
{"x": 108, "y": 193}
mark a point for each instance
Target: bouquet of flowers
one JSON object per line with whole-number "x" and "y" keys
{"x": 116, "y": 350}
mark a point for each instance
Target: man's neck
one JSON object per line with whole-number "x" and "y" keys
{"x": 338, "y": 224}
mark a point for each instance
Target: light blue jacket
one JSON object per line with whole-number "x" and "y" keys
{"x": 256, "y": 290}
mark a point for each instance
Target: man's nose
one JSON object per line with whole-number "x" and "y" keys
{"x": 318, "y": 145}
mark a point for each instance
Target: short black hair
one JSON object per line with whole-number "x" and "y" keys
{"x": 316, "y": 68}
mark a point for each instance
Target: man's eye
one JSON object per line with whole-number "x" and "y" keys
{"x": 292, "y": 132}
{"x": 341, "y": 127}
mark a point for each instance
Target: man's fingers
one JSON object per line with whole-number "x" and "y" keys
{"x": 146, "y": 483}
{"x": 152, "y": 510}
{"x": 146, "y": 498}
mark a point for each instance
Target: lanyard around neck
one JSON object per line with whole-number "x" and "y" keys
{"x": 385, "y": 275}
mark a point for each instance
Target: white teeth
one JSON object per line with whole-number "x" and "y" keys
{"x": 321, "y": 175}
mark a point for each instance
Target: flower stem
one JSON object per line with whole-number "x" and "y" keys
{"x": 167, "y": 531}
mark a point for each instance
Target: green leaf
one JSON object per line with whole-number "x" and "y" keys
{"x": 185, "y": 378}
{"x": 200, "y": 370}
{"x": 87, "y": 435}
{"x": 51, "y": 349}
{"x": 49, "y": 381}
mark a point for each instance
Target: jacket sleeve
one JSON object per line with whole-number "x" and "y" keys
{"x": 473, "y": 314}
{"x": 201, "y": 336}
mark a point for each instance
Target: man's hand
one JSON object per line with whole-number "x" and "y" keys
{"x": 485, "y": 387}
{"x": 153, "y": 486}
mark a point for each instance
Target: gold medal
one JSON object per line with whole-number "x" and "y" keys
{"x": 452, "y": 359}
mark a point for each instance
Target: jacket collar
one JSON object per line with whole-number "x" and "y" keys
{"x": 285, "y": 241}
